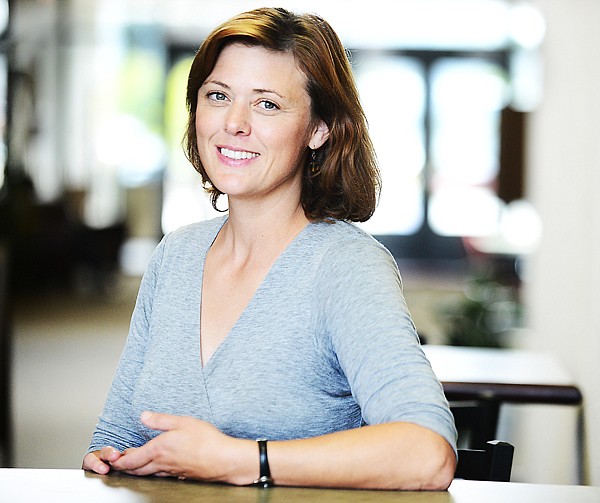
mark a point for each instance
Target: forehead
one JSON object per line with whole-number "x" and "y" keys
{"x": 257, "y": 65}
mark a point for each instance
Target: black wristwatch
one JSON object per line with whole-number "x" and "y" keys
{"x": 264, "y": 479}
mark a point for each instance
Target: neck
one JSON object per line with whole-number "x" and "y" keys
{"x": 252, "y": 230}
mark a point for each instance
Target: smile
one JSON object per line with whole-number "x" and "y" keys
{"x": 238, "y": 154}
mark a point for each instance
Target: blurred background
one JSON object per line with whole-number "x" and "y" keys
{"x": 484, "y": 115}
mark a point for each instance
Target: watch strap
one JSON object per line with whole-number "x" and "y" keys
{"x": 264, "y": 478}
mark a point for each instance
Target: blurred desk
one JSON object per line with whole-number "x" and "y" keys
{"x": 506, "y": 375}
{"x": 477, "y": 381}
{"x": 70, "y": 486}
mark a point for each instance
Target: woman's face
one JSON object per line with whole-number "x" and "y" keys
{"x": 253, "y": 123}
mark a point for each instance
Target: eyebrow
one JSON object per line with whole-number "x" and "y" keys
{"x": 256, "y": 91}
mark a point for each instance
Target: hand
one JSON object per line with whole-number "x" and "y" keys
{"x": 190, "y": 448}
{"x": 99, "y": 461}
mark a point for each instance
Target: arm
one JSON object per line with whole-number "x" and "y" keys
{"x": 375, "y": 341}
{"x": 386, "y": 456}
{"x": 115, "y": 428}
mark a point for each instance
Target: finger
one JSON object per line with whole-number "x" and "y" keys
{"x": 142, "y": 471}
{"x": 92, "y": 462}
{"x": 109, "y": 454}
{"x": 158, "y": 421}
{"x": 133, "y": 459}
{"x": 150, "y": 468}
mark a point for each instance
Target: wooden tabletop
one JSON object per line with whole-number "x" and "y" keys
{"x": 70, "y": 486}
{"x": 511, "y": 375}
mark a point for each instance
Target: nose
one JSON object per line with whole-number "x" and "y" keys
{"x": 237, "y": 120}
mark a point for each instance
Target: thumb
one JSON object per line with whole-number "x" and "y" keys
{"x": 158, "y": 421}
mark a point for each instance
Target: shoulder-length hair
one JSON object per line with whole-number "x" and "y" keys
{"x": 346, "y": 182}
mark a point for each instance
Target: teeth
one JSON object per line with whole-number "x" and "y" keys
{"x": 238, "y": 154}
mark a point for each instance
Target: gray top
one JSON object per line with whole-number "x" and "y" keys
{"x": 325, "y": 344}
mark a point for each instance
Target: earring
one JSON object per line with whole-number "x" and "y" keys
{"x": 314, "y": 164}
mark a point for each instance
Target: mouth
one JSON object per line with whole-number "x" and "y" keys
{"x": 237, "y": 154}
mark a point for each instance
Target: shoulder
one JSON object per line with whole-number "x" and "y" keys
{"x": 347, "y": 253}
{"x": 343, "y": 241}
{"x": 339, "y": 231}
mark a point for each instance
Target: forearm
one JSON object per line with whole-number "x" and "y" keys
{"x": 387, "y": 456}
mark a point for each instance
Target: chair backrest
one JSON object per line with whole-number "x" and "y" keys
{"x": 476, "y": 421}
{"x": 493, "y": 463}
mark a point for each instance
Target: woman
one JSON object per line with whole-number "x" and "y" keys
{"x": 280, "y": 320}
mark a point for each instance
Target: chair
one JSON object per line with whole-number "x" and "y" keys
{"x": 494, "y": 463}
{"x": 476, "y": 421}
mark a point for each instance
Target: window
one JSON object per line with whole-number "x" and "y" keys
{"x": 435, "y": 118}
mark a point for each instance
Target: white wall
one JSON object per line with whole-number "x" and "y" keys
{"x": 563, "y": 295}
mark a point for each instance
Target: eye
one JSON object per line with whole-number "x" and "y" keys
{"x": 216, "y": 96}
{"x": 268, "y": 105}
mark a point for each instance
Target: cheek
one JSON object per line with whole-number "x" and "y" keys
{"x": 205, "y": 123}
{"x": 200, "y": 128}
{"x": 203, "y": 135}
{"x": 290, "y": 138}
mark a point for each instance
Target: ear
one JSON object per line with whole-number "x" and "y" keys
{"x": 319, "y": 136}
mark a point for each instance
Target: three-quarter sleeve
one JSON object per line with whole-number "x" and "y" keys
{"x": 117, "y": 425}
{"x": 375, "y": 341}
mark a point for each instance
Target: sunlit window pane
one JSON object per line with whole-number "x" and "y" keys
{"x": 467, "y": 98}
{"x": 392, "y": 90}
{"x": 464, "y": 211}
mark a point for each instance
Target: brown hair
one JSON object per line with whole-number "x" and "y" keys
{"x": 346, "y": 184}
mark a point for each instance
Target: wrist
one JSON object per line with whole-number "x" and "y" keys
{"x": 244, "y": 463}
